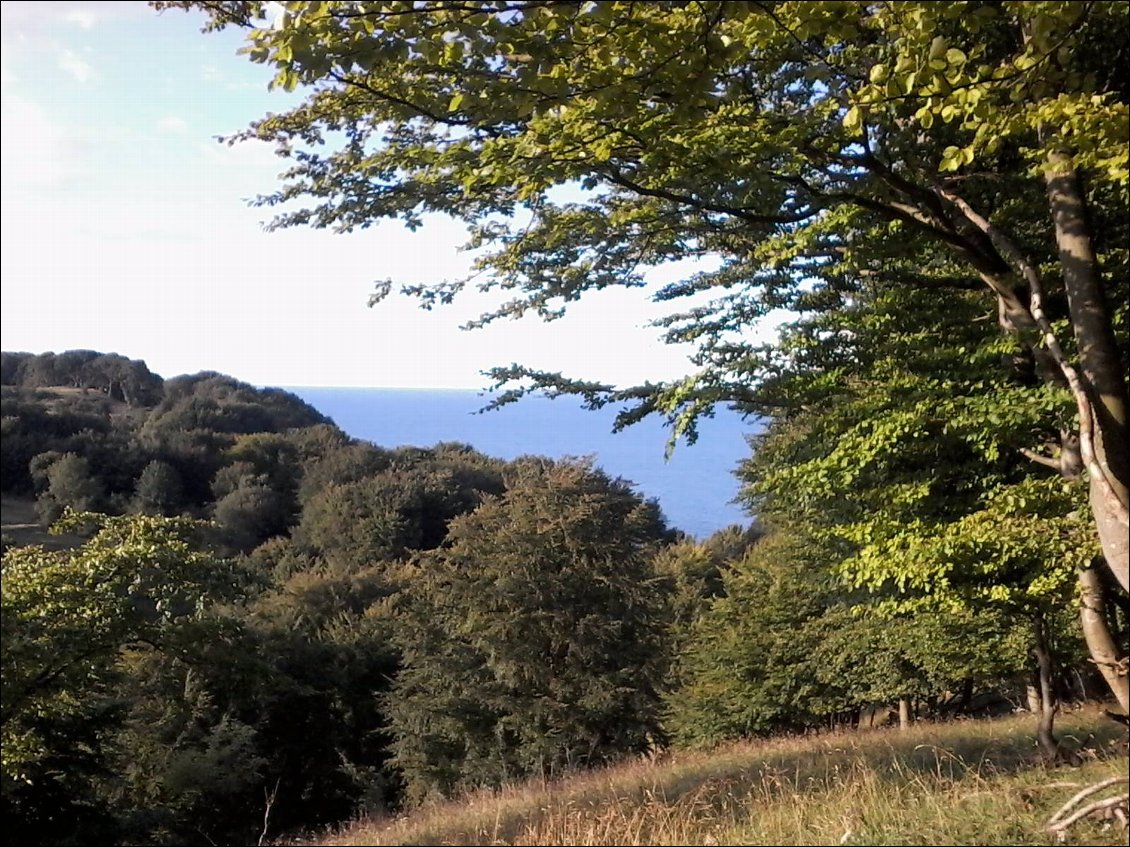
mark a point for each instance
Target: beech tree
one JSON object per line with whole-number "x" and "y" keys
{"x": 921, "y": 143}
{"x": 902, "y": 400}
{"x": 534, "y": 639}
{"x": 69, "y": 618}
{"x": 784, "y": 647}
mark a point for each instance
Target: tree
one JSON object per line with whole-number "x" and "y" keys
{"x": 745, "y": 669}
{"x": 70, "y": 484}
{"x": 159, "y": 490}
{"x": 220, "y": 403}
{"x": 68, "y": 618}
{"x": 331, "y": 647}
{"x": 251, "y": 512}
{"x": 533, "y": 640}
{"x": 858, "y": 138}
{"x": 786, "y": 646}
{"x": 387, "y": 513}
{"x": 694, "y": 572}
{"x": 903, "y": 402}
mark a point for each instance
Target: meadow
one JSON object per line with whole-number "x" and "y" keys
{"x": 962, "y": 782}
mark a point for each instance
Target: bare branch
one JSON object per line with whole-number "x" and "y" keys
{"x": 1040, "y": 459}
{"x": 617, "y": 176}
{"x": 1058, "y": 822}
{"x": 269, "y": 802}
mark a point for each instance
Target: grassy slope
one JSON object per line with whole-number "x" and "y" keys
{"x": 968, "y": 782}
{"x": 20, "y": 523}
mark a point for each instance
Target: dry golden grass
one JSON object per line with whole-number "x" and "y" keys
{"x": 968, "y": 782}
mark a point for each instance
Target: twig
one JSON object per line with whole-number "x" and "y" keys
{"x": 1040, "y": 458}
{"x": 1059, "y": 823}
{"x": 269, "y": 799}
{"x": 1115, "y": 803}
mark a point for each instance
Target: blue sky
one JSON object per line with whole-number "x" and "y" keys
{"x": 125, "y": 229}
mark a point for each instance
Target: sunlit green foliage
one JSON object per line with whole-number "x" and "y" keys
{"x": 776, "y": 137}
{"x": 903, "y": 402}
{"x": 69, "y": 619}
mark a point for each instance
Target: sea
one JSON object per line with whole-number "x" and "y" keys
{"x": 695, "y": 487}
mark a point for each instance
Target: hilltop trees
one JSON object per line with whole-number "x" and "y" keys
{"x": 184, "y": 444}
{"x": 920, "y": 145}
{"x": 128, "y": 381}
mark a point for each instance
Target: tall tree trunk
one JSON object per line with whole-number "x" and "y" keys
{"x": 904, "y": 713}
{"x": 1098, "y": 386}
{"x": 1105, "y": 651}
{"x": 966, "y": 693}
{"x": 1106, "y": 446}
{"x": 1045, "y": 728}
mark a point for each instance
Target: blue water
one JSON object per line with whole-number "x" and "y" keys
{"x": 694, "y": 488}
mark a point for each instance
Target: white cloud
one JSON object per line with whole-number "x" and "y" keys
{"x": 34, "y": 151}
{"x": 172, "y": 123}
{"x": 37, "y": 18}
{"x": 243, "y": 154}
{"x": 84, "y": 18}
{"x": 74, "y": 64}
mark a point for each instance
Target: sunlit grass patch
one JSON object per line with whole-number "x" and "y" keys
{"x": 967, "y": 782}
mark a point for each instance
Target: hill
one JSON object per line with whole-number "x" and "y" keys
{"x": 965, "y": 782}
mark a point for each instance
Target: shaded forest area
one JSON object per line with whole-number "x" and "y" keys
{"x": 260, "y": 615}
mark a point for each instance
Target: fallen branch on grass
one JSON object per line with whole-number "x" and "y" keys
{"x": 1109, "y": 807}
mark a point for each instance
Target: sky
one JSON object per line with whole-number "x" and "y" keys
{"x": 126, "y": 229}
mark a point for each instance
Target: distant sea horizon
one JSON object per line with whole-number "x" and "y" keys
{"x": 695, "y": 487}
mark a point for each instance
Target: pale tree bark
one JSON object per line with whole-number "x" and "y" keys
{"x": 904, "y": 713}
{"x": 1032, "y": 696}
{"x": 1104, "y": 439}
{"x": 1049, "y": 705}
{"x": 1105, "y": 651}
{"x": 1102, "y": 405}
{"x": 1107, "y": 656}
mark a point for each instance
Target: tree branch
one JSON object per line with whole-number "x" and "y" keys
{"x": 1040, "y": 459}
{"x": 1059, "y": 823}
{"x": 617, "y": 176}
{"x": 1080, "y": 390}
